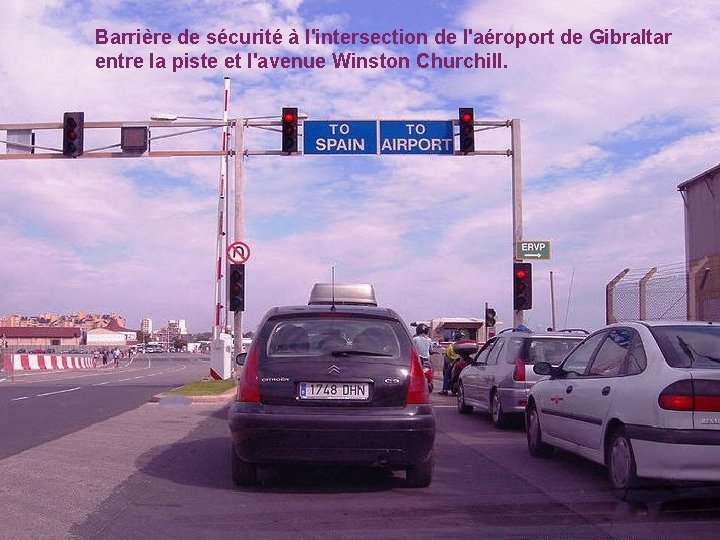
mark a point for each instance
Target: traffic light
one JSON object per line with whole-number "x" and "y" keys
{"x": 490, "y": 317}
{"x": 522, "y": 286}
{"x": 73, "y": 125}
{"x": 237, "y": 287}
{"x": 134, "y": 139}
{"x": 289, "y": 129}
{"x": 466, "y": 121}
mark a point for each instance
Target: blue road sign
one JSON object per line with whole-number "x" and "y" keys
{"x": 333, "y": 137}
{"x": 416, "y": 137}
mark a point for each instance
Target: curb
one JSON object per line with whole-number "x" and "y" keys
{"x": 215, "y": 398}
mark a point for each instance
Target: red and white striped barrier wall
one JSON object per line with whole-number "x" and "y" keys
{"x": 33, "y": 362}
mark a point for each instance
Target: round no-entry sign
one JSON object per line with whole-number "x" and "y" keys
{"x": 238, "y": 252}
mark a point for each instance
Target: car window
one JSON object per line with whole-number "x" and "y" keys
{"x": 610, "y": 358}
{"x": 546, "y": 349}
{"x": 636, "y": 359}
{"x": 689, "y": 346}
{"x": 317, "y": 336}
{"x": 577, "y": 362}
{"x": 482, "y": 356}
{"x": 495, "y": 353}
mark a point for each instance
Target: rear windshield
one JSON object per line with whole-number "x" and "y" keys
{"x": 689, "y": 346}
{"x": 317, "y": 336}
{"x": 541, "y": 349}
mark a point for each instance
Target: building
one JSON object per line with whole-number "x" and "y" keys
{"x": 113, "y": 335}
{"x": 146, "y": 326}
{"x": 81, "y": 319}
{"x": 41, "y": 337}
{"x": 701, "y": 198}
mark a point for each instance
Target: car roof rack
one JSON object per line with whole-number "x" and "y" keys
{"x": 359, "y": 294}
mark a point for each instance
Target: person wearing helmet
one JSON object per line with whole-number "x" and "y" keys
{"x": 423, "y": 343}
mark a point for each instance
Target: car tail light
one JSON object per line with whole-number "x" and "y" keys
{"x": 519, "y": 371}
{"x": 249, "y": 383}
{"x": 417, "y": 392}
{"x": 688, "y": 395}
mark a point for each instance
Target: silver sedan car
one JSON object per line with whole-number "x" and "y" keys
{"x": 500, "y": 376}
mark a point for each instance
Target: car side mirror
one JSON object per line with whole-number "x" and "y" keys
{"x": 542, "y": 368}
{"x": 240, "y": 358}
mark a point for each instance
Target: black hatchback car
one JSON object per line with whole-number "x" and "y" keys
{"x": 332, "y": 384}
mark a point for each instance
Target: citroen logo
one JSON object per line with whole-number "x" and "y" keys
{"x": 333, "y": 369}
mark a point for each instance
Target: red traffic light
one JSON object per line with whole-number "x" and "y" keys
{"x": 289, "y": 122}
{"x": 522, "y": 286}
{"x": 466, "y": 124}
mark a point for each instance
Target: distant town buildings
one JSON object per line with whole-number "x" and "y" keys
{"x": 52, "y": 330}
{"x": 82, "y": 319}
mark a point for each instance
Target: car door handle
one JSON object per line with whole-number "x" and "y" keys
{"x": 606, "y": 391}
{"x": 568, "y": 389}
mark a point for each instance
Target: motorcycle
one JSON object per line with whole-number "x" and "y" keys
{"x": 428, "y": 372}
{"x": 465, "y": 349}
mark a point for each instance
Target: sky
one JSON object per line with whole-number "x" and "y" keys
{"x": 607, "y": 133}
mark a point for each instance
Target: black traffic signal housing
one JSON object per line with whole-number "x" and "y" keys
{"x": 490, "y": 315}
{"x": 466, "y": 121}
{"x": 73, "y": 127}
{"x": 237, "y": 287}
{"x": 289, "y": 130}
{"x": 522, "y": 286}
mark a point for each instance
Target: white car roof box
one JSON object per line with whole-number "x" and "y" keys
{"x": 338, "y": 294}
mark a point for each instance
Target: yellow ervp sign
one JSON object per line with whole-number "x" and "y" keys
{"x": 532, "y": 249}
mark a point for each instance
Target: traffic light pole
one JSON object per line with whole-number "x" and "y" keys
{"x": 516, "y": 200}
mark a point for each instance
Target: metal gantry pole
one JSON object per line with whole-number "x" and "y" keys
{"x": 239, "y": 224}
{"x": 516, "y": 200}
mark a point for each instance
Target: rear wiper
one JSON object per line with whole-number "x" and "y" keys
{"x": 686, "y": 349}
{"x": 353, "y": 352}
{"x": 692, "y": 353}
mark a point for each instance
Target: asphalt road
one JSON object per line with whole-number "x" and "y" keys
{"x": 37, "y": 407}
{"x": 162, "y": 470}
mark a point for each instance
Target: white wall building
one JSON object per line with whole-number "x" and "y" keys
{"x": 146, "y": 325}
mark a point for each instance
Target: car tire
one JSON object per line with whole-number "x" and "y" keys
{"x": 244, "y": 473}
{"x": 499, "y": 418}
{"x": 536, "y": 446}
{"x": 420, "y": 474}
{"x": 621, "y": 464}
{"x": 462, "y": 407}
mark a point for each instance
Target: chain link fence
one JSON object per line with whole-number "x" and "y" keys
{"x": 672, "y": 292}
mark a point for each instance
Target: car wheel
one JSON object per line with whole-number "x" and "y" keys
{"x": 462, "y": 407}
{"x": 621, "y": 464}
{"x": 536, "y": 446}
{"x": 499, "y": 418}
{"x": 420, "y": 474}
{"x": 244, "y": 474}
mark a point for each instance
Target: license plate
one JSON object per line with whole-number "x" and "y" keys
{"x": 334, "y": 390}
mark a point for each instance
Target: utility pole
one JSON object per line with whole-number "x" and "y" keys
{"x": 516, "y": 200}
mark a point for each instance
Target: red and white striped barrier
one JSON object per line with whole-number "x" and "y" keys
{"x": 35, "y": 362}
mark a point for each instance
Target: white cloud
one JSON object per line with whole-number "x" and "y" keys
{"x": 433, "y": 234}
